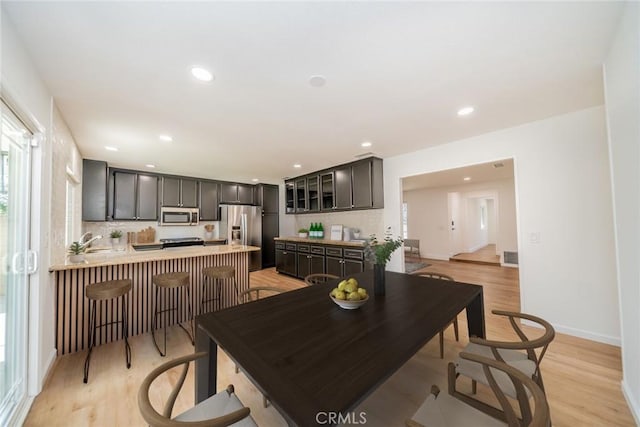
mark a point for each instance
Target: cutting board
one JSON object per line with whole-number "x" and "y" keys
{"x": 147, "y": 235}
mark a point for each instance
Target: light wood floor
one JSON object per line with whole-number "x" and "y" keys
{"x": 484, "y": 255}
{"x": 582, "y": 378}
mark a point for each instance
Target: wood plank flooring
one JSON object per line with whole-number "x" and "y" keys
{"x": 582, "y": 377}
{"x": 485, "y": 255}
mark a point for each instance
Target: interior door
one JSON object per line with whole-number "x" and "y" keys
{"x": 15, "y": 186}
{"x": 455, "y": 224}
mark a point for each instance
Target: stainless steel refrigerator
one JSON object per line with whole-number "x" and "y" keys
{"x": 242, "y": 225}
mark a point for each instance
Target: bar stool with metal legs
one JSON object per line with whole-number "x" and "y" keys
{"x": 101, "y": 291}
{"x": 168, "y": 281}
{"x": 215, "y": 275}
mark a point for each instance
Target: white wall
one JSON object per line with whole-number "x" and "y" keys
{"x": 562, "y": 192}
{"x": 622, "y": 92}
{"x": 21, "y": 82}
{"x": 428, "y": 218}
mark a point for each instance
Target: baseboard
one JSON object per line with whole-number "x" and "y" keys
{"x": 633, "y": 406}
{"x": 20, "y": 415}
{"x": 438, "y": 257}
{"x": 509, "y": 265}
{"x": 475, "y": 248}
{"x": 580, "y": 333}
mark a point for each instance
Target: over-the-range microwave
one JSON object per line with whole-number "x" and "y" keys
{"x": 179, "y": 216}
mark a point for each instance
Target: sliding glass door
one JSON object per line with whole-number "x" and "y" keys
{"x": 14, "y": 244}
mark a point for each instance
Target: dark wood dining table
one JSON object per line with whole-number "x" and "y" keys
{"x": 311, "y": 357}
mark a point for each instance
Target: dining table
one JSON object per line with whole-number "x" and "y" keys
{"x": 312, "y": 358}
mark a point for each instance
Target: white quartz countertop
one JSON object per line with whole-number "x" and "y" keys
{"x": 129, "y": 255}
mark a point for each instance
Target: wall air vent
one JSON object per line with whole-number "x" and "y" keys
{"x": 511, "y": 257}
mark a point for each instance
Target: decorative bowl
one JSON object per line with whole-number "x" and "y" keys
{"x": 349, "y": 305}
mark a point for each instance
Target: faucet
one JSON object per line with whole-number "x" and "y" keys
{"x": 81, "y": 239}
{"x": 85, "y": 244}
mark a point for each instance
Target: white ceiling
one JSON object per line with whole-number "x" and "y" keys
{"x": 483, "y": 172}
{"x": 396, "y": 74}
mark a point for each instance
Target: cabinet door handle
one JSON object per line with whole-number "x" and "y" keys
{"x": 284, "y": 253}
{"x": 309, "y": 256}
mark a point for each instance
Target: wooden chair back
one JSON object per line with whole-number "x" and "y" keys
{"x": 319, "y": 278}
{"x": 253, "y": 294}
{"x": 435, "y": 275}
{"x": 155, "y": 419}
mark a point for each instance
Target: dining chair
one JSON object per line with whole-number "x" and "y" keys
{"x": 220, "y": 410}
{"x": 441, "y": 409}
{"x": 524, "y": 355}
{"x": 319, "y": 278}
{"x": 441, "y": 276}
{"x": 253, "y": 294}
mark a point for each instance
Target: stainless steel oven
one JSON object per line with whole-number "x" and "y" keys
{"x": 179, "y": 216}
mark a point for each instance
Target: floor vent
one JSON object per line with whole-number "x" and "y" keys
{"x": 511, "y": 257}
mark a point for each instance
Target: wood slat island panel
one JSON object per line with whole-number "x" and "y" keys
{"x": 72, "y": 307}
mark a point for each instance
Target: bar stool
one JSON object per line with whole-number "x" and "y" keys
{"x": 168, "y": 281}
{"x": 101, "y": 291}
{"x": 215, "y": 275}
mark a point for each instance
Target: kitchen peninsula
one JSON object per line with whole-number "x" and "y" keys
{"x": 70, "y": 280}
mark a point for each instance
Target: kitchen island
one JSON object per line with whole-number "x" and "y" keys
{"x": 70, "y": 280}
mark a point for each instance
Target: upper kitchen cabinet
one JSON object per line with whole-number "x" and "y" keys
{"x": 135, "y": 196}
{"x": 94, "y": 190}
{"x": 236, "y": 193}
{"x": 209, "y": 201}
{"x": 179, "y": 192}
{"x": 268, "y": 196}
{"x": 356, "y": 185}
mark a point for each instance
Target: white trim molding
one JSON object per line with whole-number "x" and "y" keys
{"x": 633, "y": 407}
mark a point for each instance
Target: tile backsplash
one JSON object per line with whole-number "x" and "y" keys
{"x": 105, "y": 228}
{"x": 370, "y": 221}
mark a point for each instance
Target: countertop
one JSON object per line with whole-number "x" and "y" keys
{"x": 129, "y": 255}
{"x": 320, "y": 241}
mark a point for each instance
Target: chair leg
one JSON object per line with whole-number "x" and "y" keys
{"x": 441, "y": 344}
{"x": 237, "y": 369}
{"x": 235, "y": 287}
{"x": 217, "y": 297}
{"x": 455, "y": 328}
{"x": 474, "y": 386}
{"x": 155, "y": 324}
{"x": 125, "y": 332}
{"x": 190, "y": 315}
{"x": 92, "y": 339}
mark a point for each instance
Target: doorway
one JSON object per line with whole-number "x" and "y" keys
{"x": 15, "y": 186}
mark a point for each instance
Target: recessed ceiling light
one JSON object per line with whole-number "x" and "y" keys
{"x": 201, "y": 74}
{"x": 166, "y": 138}
{"x": 109, "y": 148}
{"x": 255, "y": 180}
{"x": 317, "y": 81}
{"x": 366, "y": 144}
{"x": 150, "y": 166}
{"x": 467, "y": 178}
{"x": 297, "y": 166}
{"x": 465, "y": 111}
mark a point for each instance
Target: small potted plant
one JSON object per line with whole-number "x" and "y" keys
{"x": 303, "y": 232}
{"x": 356, "y": 233}
{"x": 208, "y": 231}
{"x": 115, "y": 237}
{"x": 76, "y": 252}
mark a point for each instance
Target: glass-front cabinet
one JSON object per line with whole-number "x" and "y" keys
{"x": 301, "y": 195}
{"x": 327, "y": 192}
{"x": 313, "y": 194}
{"x": 289, "y": 196}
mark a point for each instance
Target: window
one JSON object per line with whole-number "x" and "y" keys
{"x": 405, "y": 231}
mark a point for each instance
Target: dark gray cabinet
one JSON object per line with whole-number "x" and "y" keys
{"x": 208, "y": 201}
{"x": 236, "y": 193}
{"x": 94, "y": 190}
{"x": 286, "y": 258}
{"x": 135, "y": 196}
{"x": 342, "y": 186}
{"x": 308, "y": 261}
{"x": 356, "y": 185}
{"x": 318, "y": 258}
{"x": 180, "y": 192}
{"x": 268, "y": 196}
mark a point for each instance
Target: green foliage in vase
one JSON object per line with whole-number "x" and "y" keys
{"x": 76, "y": 248}
{"x": 116, "y": 234}
{"x": 379, "y": 252}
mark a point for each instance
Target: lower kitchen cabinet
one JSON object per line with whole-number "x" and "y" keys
{"x": 286, "y": 259}
{"x": 308, "y": 262}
